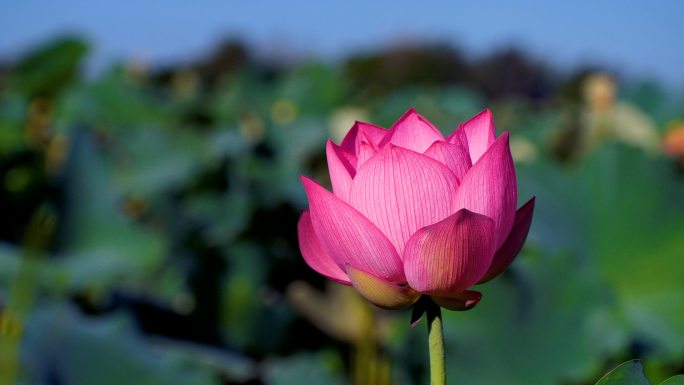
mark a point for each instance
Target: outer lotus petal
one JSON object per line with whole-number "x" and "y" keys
{"x": 314, "y": 254}
{"x": 514, "y": 243}
{"x": 349, "y": 140}
{"x": 349, "y": 237}
{"x": 341, "y": 168}
{"x": 412, "y": 131}
{"x": 450, "y": 256}
{"x": 490, "y": 188}
{"x": 480, "y": 133}
{"x": 352, "y": 141}
{"x": 402, "y": 191}
{"x": 452, "y": 156}
{"x": 380, "y": 292}
{"x": 459, "y": 302}
{"x": 366, "y": 152}
{"x": 348, "y": 158}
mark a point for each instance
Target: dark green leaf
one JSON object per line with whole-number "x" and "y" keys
{"x": 629, "y": 373}
{"x": 676, "y": 380}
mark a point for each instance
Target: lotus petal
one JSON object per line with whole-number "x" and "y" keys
{"x": 412, "y": 131}
{"x": 366, "y": 152}
{"x": 402, "y": 191}
{"x": 381, "y": 292}
{"x": 314, "y": 254}
{"x": 480, "y": 134}
{"x": 451, "y": 155}
{"x": 459, "y": 138}
{"x": 349, "y": 237}
{"x": 352, "y": 141}
{"x": 376, "y": 133}
{"x": 369, "y": 140}
{"x": 453, "y": 138}
{"x": 342, "y": 167}
{"x": 490, "y": 188}
{"x": 460, "y": 302}
{"x": 513, "y": 244}
{"x": 448, "y": 257}
{"x": 418, "y": 310}
{"x": 349, "y": 140}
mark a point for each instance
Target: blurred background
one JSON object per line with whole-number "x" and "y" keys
{"x": 149, "y": 190}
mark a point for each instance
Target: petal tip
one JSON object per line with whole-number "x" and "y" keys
{"x": 529, "y": 205}
{"x": 504, "y": 138}
{"x": 486, "y": 113}
{"x": 306, "y": 180}
{"x": 524, "y": 212}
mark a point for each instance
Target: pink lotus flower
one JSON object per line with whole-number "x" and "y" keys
{"x": 413, "y": 213}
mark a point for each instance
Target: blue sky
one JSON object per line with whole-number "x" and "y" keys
{"x": 639, "y": 38}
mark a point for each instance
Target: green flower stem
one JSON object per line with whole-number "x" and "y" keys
{"x": 436, "y": 341}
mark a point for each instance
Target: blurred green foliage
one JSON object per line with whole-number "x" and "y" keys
{"x": 176, "y": 197}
